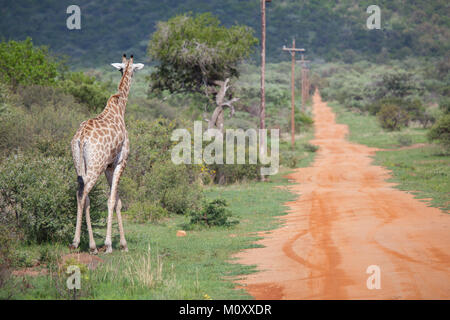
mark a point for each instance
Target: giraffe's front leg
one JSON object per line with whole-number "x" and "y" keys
{"x": 111, "y": 204}
{"x": 123, "y": 243}
{"x": 112, "y": 201}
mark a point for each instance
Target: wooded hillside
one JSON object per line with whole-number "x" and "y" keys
{"x": 328, "y": 29}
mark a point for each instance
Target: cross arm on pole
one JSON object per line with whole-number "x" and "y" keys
{"x": 293, "y": 49}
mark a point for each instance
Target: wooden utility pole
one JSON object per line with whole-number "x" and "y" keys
{"x": 305, "y": 82}
{"x": 292, "y": 51}
{"x": 262, "y": 112}
{"x": 306, "y": 71}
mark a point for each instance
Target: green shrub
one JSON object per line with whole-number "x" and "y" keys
{"x": 413, "y": 107}
{"x": 4, "y": 95}
{"x": 276, "y": 96}
{"x": 444, "y": 105}
{"x": 15, "y": 131}
{"x": 8, "y": 244}
{"x": 231, "y": 173}
{"x": 11, "y": 258}
{"x": 129, "y": 190}
{"x": 376, "y": 106}
{"x": 150, "y": 143}
{"x": 74, "y": 262}
{"x": 150, "y": 173}
{"x": 213, "y": 213}
{"x": 404, "y": 140}
{"x": 40, "y": 192}
{"x": 23, "y": 63}
{"x": 146, "y": 211}
{"x": 23, "y": 259}
{"x": 86, "y": 90}
{"x": 303, "y": 122}
{"x": 310, "y": 147}
{"x": 289, "y": 159}
{"x": 415, "y": 110}
{"x": 172, "y": 187}
{"x": 41, "y": 96}
{"x": 440, "y": 131}
{"x": 42, "y": 118}
{"x": 392, "y": 117}
{"x": 49, "y": 255}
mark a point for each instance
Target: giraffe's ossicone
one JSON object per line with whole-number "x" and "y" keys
{"x": 101, "y": 145}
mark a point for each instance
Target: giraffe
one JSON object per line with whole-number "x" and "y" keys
{"x": 101, "y": 145}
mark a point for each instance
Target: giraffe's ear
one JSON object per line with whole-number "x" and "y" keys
{"x": 137, "y": 66}
{"x": 118, "y": 65}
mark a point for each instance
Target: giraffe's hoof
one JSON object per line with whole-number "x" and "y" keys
{"x": 124, "y": 248}
{"x": 73, "y": 246}
{"x": 93, "y": 251}
{"x": 108, "y": 248}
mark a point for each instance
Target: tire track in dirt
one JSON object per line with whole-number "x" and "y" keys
{"x": 346, "y": 218}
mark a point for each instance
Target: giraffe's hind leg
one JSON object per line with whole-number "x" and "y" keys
{"x": 92, "y": 246}
{"x": 82, "y": 204}
{"x": 76, "y": 238}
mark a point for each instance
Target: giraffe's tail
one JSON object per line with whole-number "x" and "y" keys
{"x": 80, "y": 186}
{"x": 82, "y": 169}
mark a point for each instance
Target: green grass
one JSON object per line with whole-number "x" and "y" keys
{"x": 364, "y": 129}
{"x": 424, "y": 171}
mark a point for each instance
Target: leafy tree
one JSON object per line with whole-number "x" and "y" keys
{"x": 23, "y": 63}
{"x": 197, "y": 54}
{"x": 195, "y": 51}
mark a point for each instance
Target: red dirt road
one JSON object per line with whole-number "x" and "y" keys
{"x": 347, "y": 218}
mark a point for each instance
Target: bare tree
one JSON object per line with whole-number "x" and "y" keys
{"x": 217, "y": 118}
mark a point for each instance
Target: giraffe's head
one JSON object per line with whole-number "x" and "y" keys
{"x": 127, "y": 65}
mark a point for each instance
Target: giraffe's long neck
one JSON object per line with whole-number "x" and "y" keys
{"x": 117, "y": 102}
{"x": 124, "y": 88}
